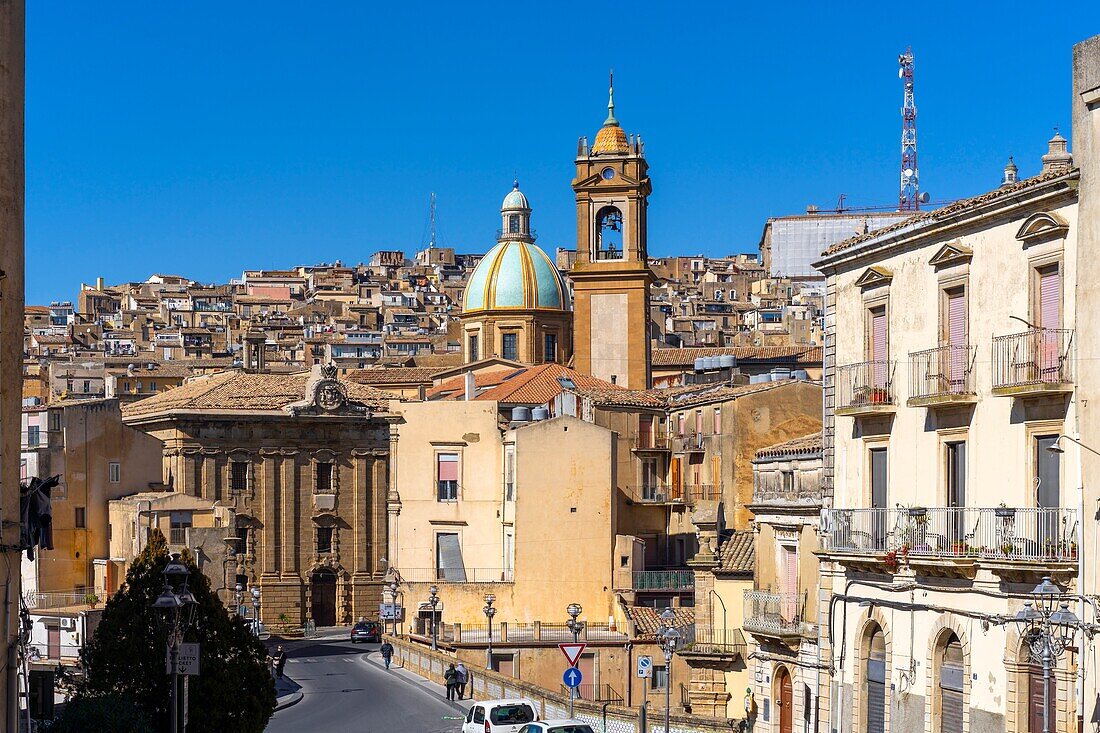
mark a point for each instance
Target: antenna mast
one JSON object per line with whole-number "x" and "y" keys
{"x": 431, "y": 242}
{"x": 909, "y": 199}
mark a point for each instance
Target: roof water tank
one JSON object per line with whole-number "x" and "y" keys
{"x": 521, "y": 414}
{"x": 781, "y": 373}
{"x": 712, "y": 362}
{"x": 800, "y": 374}
{"x": 540, "y": 413}
{"x": 700, "y": 364}
{"x": 759, "y": 378}
{"x": 727, "y": 361}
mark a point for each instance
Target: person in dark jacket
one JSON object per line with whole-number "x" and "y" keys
{"x": 450, "y": 679}
{"x": 387, "y": 653}
{"x": 280, "y": 662}
{"x": 463, "y": 677}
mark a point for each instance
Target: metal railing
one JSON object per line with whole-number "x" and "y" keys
{"x": 691, "y": 441}
{"x": 652, "y": 441}
{"x": 595, "y": 692}
{"x": 703, "y": 492}
{"x": 652, "y": 494}
{"x": 609, "y": 254}
{"x": 717, "y": 641}
{"x": 663, "y": 579}
{"x": 942, "y": 372}
{"x": 508, "y": 234}
{"x": 64, "y": 599}
{"x": 177, "y": 536}
{"x": 869, "y": 383}
{"x": 456, "y": 575}
{"x": 773, "y": 613}
{"x": 1035, "y": 357}
{"x": 516, "y": 632}
{"x": 997, "y": 533}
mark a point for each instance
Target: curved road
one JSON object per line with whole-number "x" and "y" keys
{"x": 346, "y": 690}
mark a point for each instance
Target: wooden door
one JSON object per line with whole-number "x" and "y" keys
{"x": 53, "y": 642}
{"x": 785, "y": 702}
{"x": 1035, "y": 699}
{"x": 324, "y": 598}
{"x": 675, "y": 487}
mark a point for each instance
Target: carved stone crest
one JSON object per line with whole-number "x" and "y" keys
{"x": 330, "y": 395}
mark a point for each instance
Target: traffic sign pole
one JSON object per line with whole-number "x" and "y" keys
{"x": 572, "y": 679}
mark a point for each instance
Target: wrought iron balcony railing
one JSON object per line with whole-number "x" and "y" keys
{"x": 867, "y": 386}
{"x": 942, "y": 373}
{"x": 1038, "y": 359}
{"x": 663, "y": 579}
{"x": 774, "y": 614}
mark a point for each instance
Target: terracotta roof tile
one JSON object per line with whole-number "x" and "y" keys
{"x": 737, "y": 554}
{"x": 458, "y": 384}
{"x": 676, "y": 397}
{"x": 648, "y": 620}
{"x": 808, "y": 355}
{"x": 806, "y": 444}
{"x": 539, "y": 384}
{"x": 240, "y": 390}
{"x": 951, "y": 210}
{"x": 396, "y": 375}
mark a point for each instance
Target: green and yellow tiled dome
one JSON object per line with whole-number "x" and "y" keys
{"x": 516, "y": 275}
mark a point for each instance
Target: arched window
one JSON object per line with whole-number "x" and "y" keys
{"x": 950, "y": 662}
{"x": 874, "y": 713}
{"x": 609, "y": 234}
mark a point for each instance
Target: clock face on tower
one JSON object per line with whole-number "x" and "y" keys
{"x": 608, "y": 173}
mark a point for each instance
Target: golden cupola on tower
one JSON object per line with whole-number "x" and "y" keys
{"x": 611, "y": 139}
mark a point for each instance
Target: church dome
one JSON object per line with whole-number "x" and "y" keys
{"x": 515, "y": 200}
{"x": 516, "y": 275}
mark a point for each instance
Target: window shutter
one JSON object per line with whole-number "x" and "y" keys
{"x": 448, "y": 467}
{"x": 878, "y": 336}
{"x": 1050, "y": 298}
{"x": 956, "y": 319}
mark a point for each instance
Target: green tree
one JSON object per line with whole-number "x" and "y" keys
{"x": 126, "y": 655}
{"x": 110, "y": 712}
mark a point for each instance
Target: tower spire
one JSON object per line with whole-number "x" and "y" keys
{"x": 611, "y": 99}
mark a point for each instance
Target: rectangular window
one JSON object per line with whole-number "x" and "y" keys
{"x": 878, "y": 347}
{"x": 238, "y": 476}
{"x": 473, "y": 348}
{"x": 878, "y": 460}
{"x": 550, "y": 347}
{"x": 788, "y": 483}
{"x": 954, "y": 317}
{"x": 54, "y": 420}
{"x": 152, "y": 386}
{"x": 179, "y": 523}
{"x": 717, "y": 420}
{"x": 508, "y": 346}
{"x": 680, "y": 424}
{"x": 448, "y": 558}
{"x": 509, "y": 474}
{"x": 1049, "y": 297}
{"x": 87, "y": 386}
{"x": 659, "y": 680}
{"x": 32, "y": 436}
{"x": 446, "y": 469}
{"x": 324, "y": 540}
{"x": 324, "y": 478}
{"x": 956, "y": 474}
{"x": 114, "y": 472}
{"x": 80, "y": 520}
{"x": 1048, "y": 472}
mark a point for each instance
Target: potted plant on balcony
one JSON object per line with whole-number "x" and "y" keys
{"x": 1004, "y": 512}
{"x": 91, "y": 599}
{"x": 868, "y": 395}
{"x": 891, "y": 561}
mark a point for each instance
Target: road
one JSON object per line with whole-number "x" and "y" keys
{"x": 344, "y": 691}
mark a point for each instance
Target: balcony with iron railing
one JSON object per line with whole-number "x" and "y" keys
{"x": 650, "y": 442}
{"x": 663, "y": 580}
{"x": 508, "y": 234}
{"x": 998, "y": 537}
{"x": 942, "y": 377}
{"x": 654, "y": 494}
{"x": 1036, "y": 361}
{"x": 608, "y": 254}
{"x": 691, "y": 441}
{"x": 866, "y": 388}
{"x": 717, "y": 642}
{"x": 773, "y": 615}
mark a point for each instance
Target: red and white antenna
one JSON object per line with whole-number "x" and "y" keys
{"x": 909, "y": 199}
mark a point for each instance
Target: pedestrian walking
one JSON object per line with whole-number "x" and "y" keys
{"x": 280, "y": 662}
{"x": 450, "y": 679}
{"x": 463, "y": 677}
{"x": 387, "y": 653}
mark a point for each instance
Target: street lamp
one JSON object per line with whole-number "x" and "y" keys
{"x": 433, "y": 601}
{"x": 179, "y": 611}
{"x": 393, "y": 600}
{"x": 255, "y": 592}
{"x": 237, "y": 591}
{"x": 1049, "y": 628}
{"x": 489, "y": 612}
{"x": 575, "y": 627}
{"x": 668, "y": 637}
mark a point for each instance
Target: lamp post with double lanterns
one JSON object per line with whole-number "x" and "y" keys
{"x": 575, "y": 627}
{"x": 668, "y": 637}
{"x": 238, "y": 591}
{"x": 433, "y": 601}
{"x": 489, "y": 612}
{"x": 1049, "y": 628}
{"x": 255, "y": 592}
{"x": 178, "y": 607}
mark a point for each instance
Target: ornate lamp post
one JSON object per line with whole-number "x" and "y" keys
{"x": 1049, "y": 628}
{"x": 393, "y": 600}
{"x": 489, "y": 612}
{"x": 668, "y": 637}
{"x": 433, "y": 601}
{"x": 237, "y": 591}
{"x": 179, "y": 612}
{"x": 575, "y": 627}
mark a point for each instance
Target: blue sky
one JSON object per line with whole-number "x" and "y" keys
{"x": 202, "y": 138}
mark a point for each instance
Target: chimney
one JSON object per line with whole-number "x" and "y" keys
{"x": 99, "y": 283}
{"x": 1057, "y": 159}
{"x": 470, "y": 386}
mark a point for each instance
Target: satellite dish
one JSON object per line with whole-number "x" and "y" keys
{"x": 908, "y": 172}
{"x": 901, "y": 73}
{"x": 925, "y": 198}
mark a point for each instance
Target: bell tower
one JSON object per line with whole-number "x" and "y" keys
{"x": 611, "y": 277}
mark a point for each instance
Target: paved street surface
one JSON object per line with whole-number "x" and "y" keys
{"x": 346, "y": 690}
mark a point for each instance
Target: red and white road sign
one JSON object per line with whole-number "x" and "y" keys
{"x": 572, "y": 652}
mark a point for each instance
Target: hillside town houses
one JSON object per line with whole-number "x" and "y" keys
{"x": 842, "y": 467}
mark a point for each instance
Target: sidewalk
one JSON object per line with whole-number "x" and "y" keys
{"x": 287, "y": 692}
{"x": 460, "y": 706}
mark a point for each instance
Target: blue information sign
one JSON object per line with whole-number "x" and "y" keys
{"x": 572, "y": 677}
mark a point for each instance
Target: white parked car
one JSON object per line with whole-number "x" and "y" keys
{"x": 499, "y": 716}
{"x": 557, "y": 726}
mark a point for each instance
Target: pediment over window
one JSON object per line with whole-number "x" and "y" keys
{"x": 874, "y": 276}
{"x": 952, "y": 253}
{"x": 1042, "y": 227}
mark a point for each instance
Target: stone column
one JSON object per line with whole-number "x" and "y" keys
{"x": 269, "y": 490}
{"x": 290, "y": 542}
{"x": 208, "y": 490}
{"x": 362, "y": 523}
{"x": 186, "y": 481}
{"x": 393, "y": 497}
